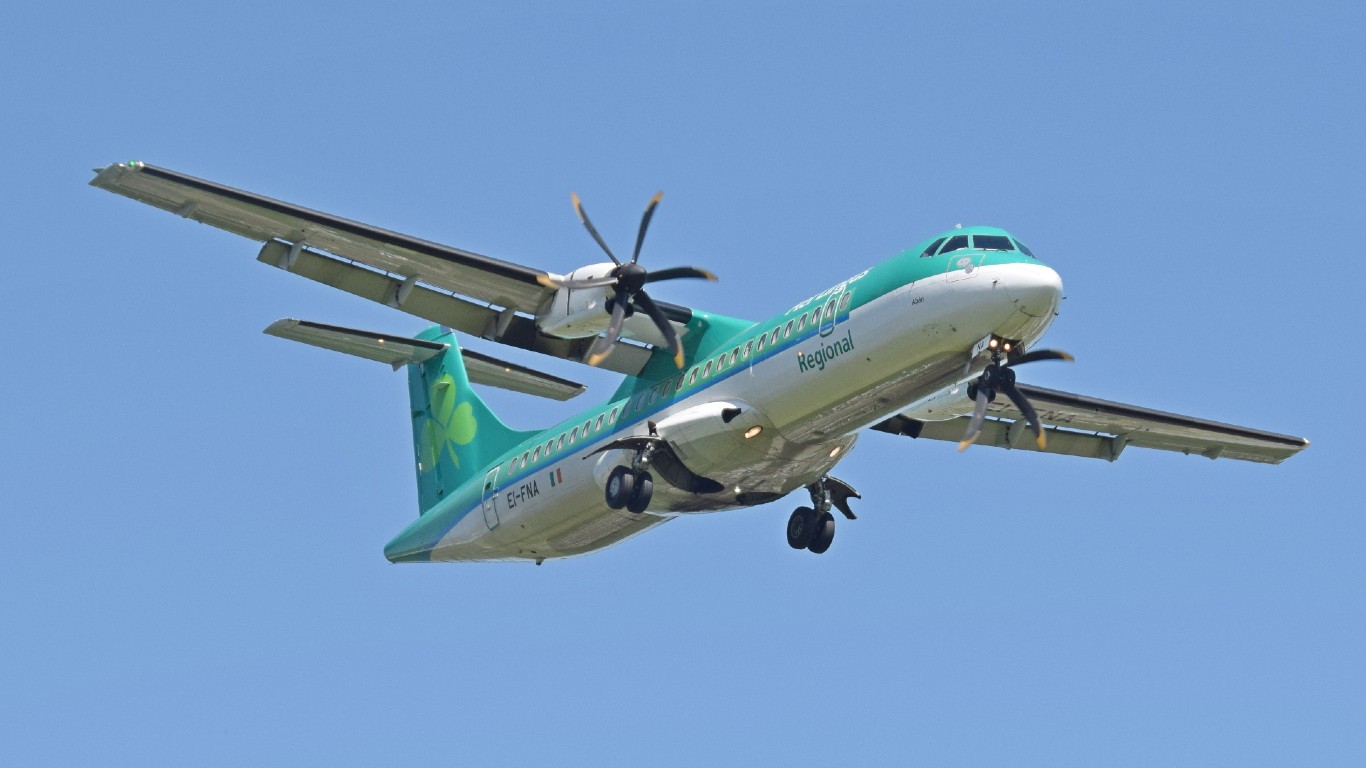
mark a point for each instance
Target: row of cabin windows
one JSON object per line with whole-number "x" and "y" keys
{"x": 756, "y": 345}
{"x": 672, "y": 386}
{"x": 555, "y": 445}
{"x": 981, "y": 242}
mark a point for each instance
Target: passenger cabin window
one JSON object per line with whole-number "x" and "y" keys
{"x": 707, "y": 370}
{"x": 955, "y": 243}
{"x": 612, "y": 419}
{"x": 573, "y": 435}
{"x": 748, "y": 348}
{"x": 560, "y": 445}
{"x": 801, "y": 323}
{"x": 760, "y": 346}
{"x": 774, "y": 338}
{"x": 734, "y": 355}
{"x": 992, "y": 243}
{"x": 599, "y": 424}
{"x": 787, "y": 329}
{"x": 1025, "y": 250}
{"x": 692, "y": 377}
{"x": 928, "y": 252}
{"x": 844, "y": 301}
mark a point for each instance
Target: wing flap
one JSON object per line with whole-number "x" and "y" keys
{"x": 502, "y": 326}
{"x": 1078, "y": 425}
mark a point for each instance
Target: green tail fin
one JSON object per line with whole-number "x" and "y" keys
{"x": 454, "y": 433}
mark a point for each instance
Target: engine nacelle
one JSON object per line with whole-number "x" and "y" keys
{"x": 578, "y": 313}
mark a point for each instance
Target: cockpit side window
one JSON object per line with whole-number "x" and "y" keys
{"x": 992, "y": 243}
{"x": 955, "y": 243}
{"x": 933, "y": 247}
{"x": 1025, "y": 250}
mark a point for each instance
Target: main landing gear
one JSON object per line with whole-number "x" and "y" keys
{"x": 814, "y": 529}
{"x": 631, "y": 487}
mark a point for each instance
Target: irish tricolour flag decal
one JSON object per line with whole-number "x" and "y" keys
{"x": 555, "y": 478}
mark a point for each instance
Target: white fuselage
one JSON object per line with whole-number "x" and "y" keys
{"x": 911, "y": 350}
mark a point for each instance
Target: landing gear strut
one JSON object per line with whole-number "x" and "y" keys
{"x": 814, "y": 529}
{"x": 631, "y": 487}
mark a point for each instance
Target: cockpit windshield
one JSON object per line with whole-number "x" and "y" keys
{"x": 992, "y": 243}
{"x": 1025, "y": 250}
{"x": 955, "y": 243}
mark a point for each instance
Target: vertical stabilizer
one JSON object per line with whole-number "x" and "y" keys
{"x": 454, "y": 433}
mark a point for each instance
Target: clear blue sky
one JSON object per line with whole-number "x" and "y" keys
{"x": 192, "y": 513}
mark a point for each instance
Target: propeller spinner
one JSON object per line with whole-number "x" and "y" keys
{"x": 628, "y": 281}
{"x": 999, "y": 377}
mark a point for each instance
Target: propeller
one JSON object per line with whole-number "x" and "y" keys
{"x": 999, "y": 377}
{"x": 629, "y": 280}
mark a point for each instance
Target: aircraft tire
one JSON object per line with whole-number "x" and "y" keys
{"x": 823, "y": 534}
{"x": 801, "y": 528}
{"x": 640, "y": 499}
{"x": 621, "y": 486}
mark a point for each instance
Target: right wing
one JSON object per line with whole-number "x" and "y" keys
{"x": 475, "y": 294}
{"x": 1100, "y": 429}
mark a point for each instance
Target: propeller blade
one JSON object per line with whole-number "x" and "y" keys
{"x": 645, "y": 224}
{"x": 602, "y": 346}
{"x": 583, "y": 282}
{"x": 1041, "y": 354}
{"x": 646, "y": 304}
{"x": 1031, "y": 418}
{"x": 979, "y": 414}
{"x": 578, "y": 208}
{"x": 673, "y": 273}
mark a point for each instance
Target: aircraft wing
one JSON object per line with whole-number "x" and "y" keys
{"x": 1077, "y": 425}
{"x": 479, "y": 295}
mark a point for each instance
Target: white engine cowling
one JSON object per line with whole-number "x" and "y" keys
{"x": 578, "y": 313}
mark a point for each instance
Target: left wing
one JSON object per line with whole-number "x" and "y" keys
{"x": 475, "y": 294}
{"x": 1100, "y": 429}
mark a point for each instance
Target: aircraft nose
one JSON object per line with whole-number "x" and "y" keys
{"x": 1035, "y": 289}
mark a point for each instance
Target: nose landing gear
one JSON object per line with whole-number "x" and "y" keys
{"x": 814, "y": 529}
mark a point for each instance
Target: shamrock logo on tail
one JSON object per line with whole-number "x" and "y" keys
{"x": 448, "y": 425}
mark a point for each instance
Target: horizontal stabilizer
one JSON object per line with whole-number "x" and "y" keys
{"x": 399, "y": 351}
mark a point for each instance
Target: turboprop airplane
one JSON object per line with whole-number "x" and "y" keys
{"x": 713, "y": 412}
